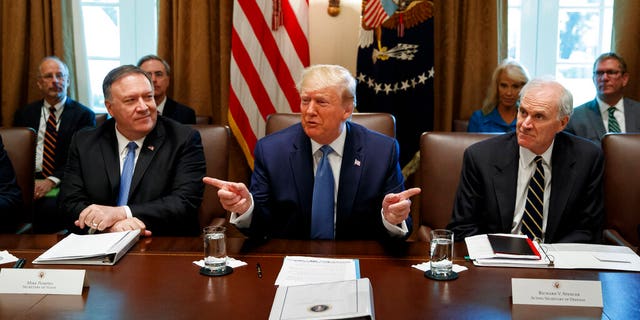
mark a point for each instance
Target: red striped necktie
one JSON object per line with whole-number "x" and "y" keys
{"x": 50, "y": 139}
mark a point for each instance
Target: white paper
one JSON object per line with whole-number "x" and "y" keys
{"x": 6, "y": 257}
{"x": 83, "y": 246}
{"x": 231, "y": 262}
{"x": 298, "y": 270}
{"x": 550, "y": 292}
{"x": 426, "y": 266}
{"x": 593, "y": 256}
{"x": 330, "y": 300}
{"x": 41, "y": 281}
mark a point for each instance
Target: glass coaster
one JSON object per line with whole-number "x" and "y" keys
{"x": 208, "y": 272}
{"x": 452, "y": 276}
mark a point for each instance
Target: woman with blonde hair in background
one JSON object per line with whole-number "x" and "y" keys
{"x": 500, "y": 107}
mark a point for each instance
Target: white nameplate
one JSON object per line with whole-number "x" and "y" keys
{"x": 576, "y": 293}
{"x": 41, "y": 281}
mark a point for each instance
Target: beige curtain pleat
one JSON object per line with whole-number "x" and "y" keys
{"x": 625, "y": 41}
{"x": 467, "y": 46}
{"x": 31, "y": 30}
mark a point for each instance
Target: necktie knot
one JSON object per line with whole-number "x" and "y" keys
{"x": 326, "y": 150}
{"x": 132, "y": 146}
{"x": 52, "y": 110}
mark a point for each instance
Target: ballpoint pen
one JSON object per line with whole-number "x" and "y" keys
{"x": 259, "y": 270}
{"x": 20, "y": 263}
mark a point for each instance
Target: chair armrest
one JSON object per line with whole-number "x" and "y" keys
{"x": 424, "y": 233}
{"x": 611, "y": 236}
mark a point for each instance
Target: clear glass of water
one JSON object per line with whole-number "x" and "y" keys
{"x": 441, "y": 253}
{"x": 215, "y": 248}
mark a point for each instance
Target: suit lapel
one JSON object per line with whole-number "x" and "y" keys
{"x": 66, "y": 118}
{"x": 505, "y": 182}
{"x": 350, "y": 173}
{"x": 301, "y": 161}
{"x": 169, "y": 108}
{"x": 151, "y": 146}
{"x": 595, "y": 119}
{"x": 562, "y": 162}
{"x": 111, "y": 156}
{"x": 631, "y": 115}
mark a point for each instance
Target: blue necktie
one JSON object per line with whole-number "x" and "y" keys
{"x": 322, "y": 206}
{"x": 127, "y": 174}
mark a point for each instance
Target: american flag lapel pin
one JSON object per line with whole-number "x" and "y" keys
{"x": 151, "y": 148}
{"x": 356, "y": 162}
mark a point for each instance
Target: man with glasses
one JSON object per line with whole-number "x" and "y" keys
{"x": 609, "y": 111}
{"x": 159, "y": 71}
{"x": 64, "y": 117}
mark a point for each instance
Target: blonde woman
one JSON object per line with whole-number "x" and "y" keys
{"x": 500, "y": 107}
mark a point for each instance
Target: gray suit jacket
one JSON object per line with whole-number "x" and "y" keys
{"x": 586, "y": 120}
{"x": 486, "y": 196}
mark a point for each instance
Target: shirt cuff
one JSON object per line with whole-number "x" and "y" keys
{"x": 242, "y": 221}
{"x": 127, "y": 210}
{"x": 395, "y": 230}
{"x": 55, "y": 180}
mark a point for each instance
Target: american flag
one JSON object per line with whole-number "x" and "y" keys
{"x": 266, "y": 61}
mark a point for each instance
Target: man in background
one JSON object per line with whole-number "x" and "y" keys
{"x": 55, "y": 118}
{"x": 323, "y": 178}
{"x": 610, "y": 111}
{"x": 137, "y": 170}
{"x": 159, "y": 71}
{"x": 538, "y": 181}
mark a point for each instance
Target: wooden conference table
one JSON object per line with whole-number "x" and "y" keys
{"x": 157, "y": 280}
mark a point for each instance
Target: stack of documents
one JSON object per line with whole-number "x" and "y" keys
{"x": 92, "y": 249}
{"x": 558, "y": 255}
{"x": 322, "y": 288}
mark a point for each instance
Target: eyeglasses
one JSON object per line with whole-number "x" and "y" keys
{"x": 609, "y": 73}
{"x": 157, "y": 74}
{"x": 51, "y": 76}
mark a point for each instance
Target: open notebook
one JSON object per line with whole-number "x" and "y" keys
{"x": 92, "y": 249}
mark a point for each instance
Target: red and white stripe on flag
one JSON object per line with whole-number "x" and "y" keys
{"x": 373, "y": 14}
{"x": 265, "y": 65}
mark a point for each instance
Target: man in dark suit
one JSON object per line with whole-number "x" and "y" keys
{"x": 368, "y": 201}
{"x": 71, "y": 116}
{"x": 495, "y": 192}
{"x": 10, "y": 195}
{"x": 166, "y": 187}
{"x": 159, "y": 71}
{"x": 591, "y": 120}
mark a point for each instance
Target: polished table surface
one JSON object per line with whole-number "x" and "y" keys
{"x": 157, "y": 279}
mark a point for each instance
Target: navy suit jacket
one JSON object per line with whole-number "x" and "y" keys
{"x": 586, "y": 120}
{"x": 282, "y": 184}
{"x": 166, "y": 189}
{"x": 179, "y": 112}
{"x": 75, "y": 116}
{"x": 486, "y": 196}
{"x": 10, "y": 195}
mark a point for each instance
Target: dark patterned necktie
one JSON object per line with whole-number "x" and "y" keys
{"x": 614, "y": 126}
{"x": 532, "y": 218}
{"x": 50, "y": 140}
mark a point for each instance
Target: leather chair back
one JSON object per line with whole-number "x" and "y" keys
{"x": 20, "y": 144}
{"x": 440, "y": 166}
{"x": 215, "y": 142}
{"x": 203, "y": 120}
{"x": 384, "y": 123}
{"x": 622, "y": 188}
{"x": 101, "y": 118}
